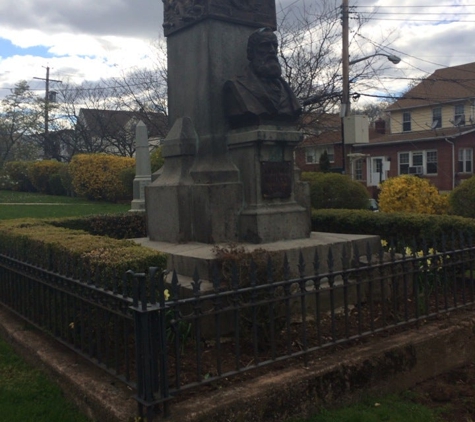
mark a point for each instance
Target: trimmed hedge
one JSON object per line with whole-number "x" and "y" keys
{"x": 128, "y": 225}
{"x": 391, "y": 225}
{"x": 75, "y": 252}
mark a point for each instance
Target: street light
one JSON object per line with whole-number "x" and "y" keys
{"x": 345, "y": 103}
{"x": 391, "y": 57}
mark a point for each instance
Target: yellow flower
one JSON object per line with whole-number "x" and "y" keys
{"x": 384, "y": 243}
{"x": 166, "y": 294}
{"x": 408, "y": 250}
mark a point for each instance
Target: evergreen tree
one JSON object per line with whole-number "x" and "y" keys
{"x": 324, "y": 162}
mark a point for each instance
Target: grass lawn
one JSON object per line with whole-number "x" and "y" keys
{"x": 37, "y": 205}
{"x": 393, "y": 408}
{"x": 27, "y": 395}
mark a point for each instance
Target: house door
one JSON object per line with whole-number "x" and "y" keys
{"x": 377, "y": 170}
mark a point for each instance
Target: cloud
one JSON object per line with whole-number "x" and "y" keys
{"x": 92, "y": 39}
{"x": 136, "y": 19}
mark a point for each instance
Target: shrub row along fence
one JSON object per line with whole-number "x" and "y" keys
{"x": 163, "y": 339}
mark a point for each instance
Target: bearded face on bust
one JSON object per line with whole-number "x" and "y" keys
{"x": 262, "y": 52}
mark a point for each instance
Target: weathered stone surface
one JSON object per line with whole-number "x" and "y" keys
{"x": 264, "y": 157}
{"x": 180, "y": 14}
{"x": 219, "y": 188}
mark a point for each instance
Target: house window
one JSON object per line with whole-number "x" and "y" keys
{"x": 459, "y": 115}
{"x": 431, "y": 157}
{"x": 403, "y": 163}
{"x": 406, "y": 122}
{"x": 313, "y": 154}
{"x": 418, "y": 162}
{"x": 465, "y": 160}
{"x": 417, "y": 159}
{"x": 310, "y": 156}
{"x": 359, "y": 169}
{"x": 436, "y": 117}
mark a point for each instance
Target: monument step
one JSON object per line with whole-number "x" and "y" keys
{"x": 185, "y": 258}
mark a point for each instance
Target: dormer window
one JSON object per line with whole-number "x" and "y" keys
{"x": 436, "y": 117}
{"x": 406, "y": 122}
{"x": 459, "y": 115}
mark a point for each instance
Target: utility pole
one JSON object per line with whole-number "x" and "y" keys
{"x": 47, "y": 101}
{"x": 345, "y": 70}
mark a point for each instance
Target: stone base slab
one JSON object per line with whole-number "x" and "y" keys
{"x": 186, "y": 257}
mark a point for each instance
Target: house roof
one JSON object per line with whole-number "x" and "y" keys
{"x": 326, "y": 129}
{"x": 110, "y": 122}
{"x": 444, "y": 85}
{"x": 420, "y": 136}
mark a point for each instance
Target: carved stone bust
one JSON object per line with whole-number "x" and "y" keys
{"x": 260, "y": 95}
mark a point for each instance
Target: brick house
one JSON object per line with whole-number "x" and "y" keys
{"x": 431, "y": 133}
{"x": 325, "y": 134}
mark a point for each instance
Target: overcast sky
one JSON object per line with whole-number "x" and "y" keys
{"x": 91, "y": 39}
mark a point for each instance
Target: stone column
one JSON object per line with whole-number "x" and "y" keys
{"x": 143, "y": 173}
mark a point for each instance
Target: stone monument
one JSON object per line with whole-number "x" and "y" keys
{"x": 228, "y": 175}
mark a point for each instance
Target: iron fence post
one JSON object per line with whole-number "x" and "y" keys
{"x": 150, "y": 342}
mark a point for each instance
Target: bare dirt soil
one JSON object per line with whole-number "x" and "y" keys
{"x": 452, "y": 394}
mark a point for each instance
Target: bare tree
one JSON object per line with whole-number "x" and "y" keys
{"x": 20, "y": 123}
{"x": 310, "y": 49}
{"x": 103, "y": 114}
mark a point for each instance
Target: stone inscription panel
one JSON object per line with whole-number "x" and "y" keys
{"x": 182, "y": 13}
{"x": 276, "y": 179}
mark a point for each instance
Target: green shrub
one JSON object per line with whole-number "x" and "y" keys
{"x": 332, "y": 190}
{"x": 156, "y": 159}
{"x": 75, "y": 252}
{"x": 126, "y": 177}
{"x": 411, "y": 194}
{"x": 56, "y": 185}
{"x": 18, "y": 174}
{"x": 40, "y": 173}
{"x": 391, "y": 225}
{"x": 96, "y": 176}
{"x": 129, "y": 225}
{"x": 66, "y": 180}
{"x": 462, "y": 199}
{"x": 5, "y": 182}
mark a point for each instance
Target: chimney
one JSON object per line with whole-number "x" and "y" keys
{"x": 380, "y": 126}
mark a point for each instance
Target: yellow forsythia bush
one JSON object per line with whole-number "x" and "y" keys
{"x": 411, "y": 194}
{"x": 97, "y": 176}
{"x": 40, "y": 173}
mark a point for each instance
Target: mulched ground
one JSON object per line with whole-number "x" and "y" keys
{"x": 452, "y": 394}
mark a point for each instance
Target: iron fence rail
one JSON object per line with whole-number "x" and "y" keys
{"x": 165, "y": 339}
{"x": 93, "y": 322}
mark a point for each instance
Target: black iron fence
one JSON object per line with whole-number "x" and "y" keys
{"x": 164, "y": 339}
